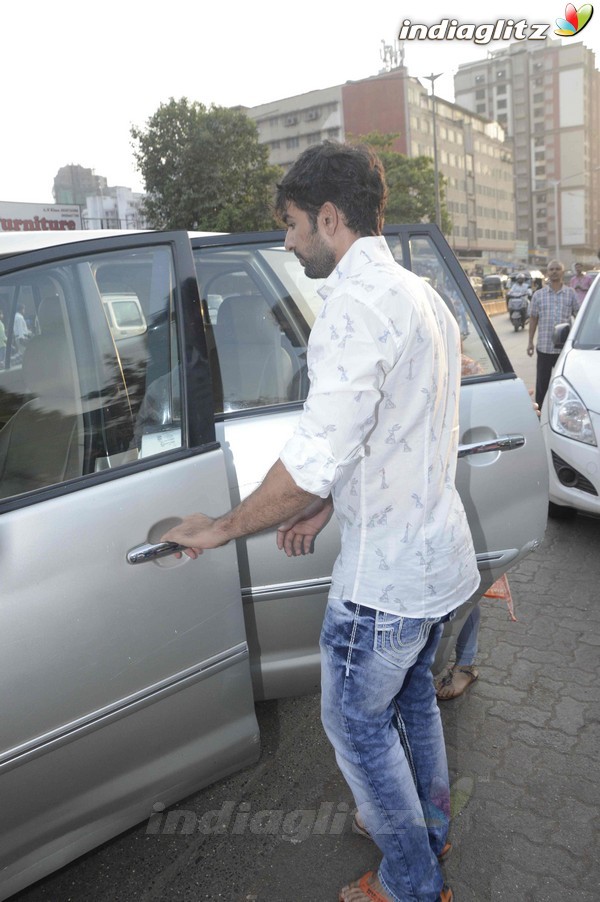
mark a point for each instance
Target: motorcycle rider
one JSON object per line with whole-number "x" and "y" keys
{"x": 520, "y": 291}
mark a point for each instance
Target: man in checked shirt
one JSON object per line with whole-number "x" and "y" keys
{"x": 553, "y": 304}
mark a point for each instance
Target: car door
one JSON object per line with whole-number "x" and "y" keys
{"x": 259, "y": 307}
{"x": 125, "y": 685}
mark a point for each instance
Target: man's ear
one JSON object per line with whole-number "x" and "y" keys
{"x": 329, "y": 217}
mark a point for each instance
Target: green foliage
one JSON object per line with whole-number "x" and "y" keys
{"x": 204, "y": 169}
{"x": 411, "y": 184}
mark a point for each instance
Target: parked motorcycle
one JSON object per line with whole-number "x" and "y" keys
{"x": 517, "y": 301}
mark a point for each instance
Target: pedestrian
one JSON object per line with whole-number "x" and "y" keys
{"x": 376, "y": 443}
{"x": 20, "y": 329}
{"x": 580, "y": 283}
{"x": 553, "y": 304}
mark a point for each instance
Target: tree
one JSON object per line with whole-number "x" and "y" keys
{"x": 204, "y": 169}
{"x": 411, "y": 184}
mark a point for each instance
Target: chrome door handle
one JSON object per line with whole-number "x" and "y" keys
{"x": 149, "y": 552}
{"x": 501, "y": 443}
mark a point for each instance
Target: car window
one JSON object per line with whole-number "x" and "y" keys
{"x": 90, "y": 367}
{"x": 428, "y": 263}
{"x": 588, "y": 332}
{"x": 257, "y": 322}
{"x": 259, "y": 307}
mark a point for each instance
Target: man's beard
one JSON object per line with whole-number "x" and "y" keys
{"x": 321, "y": 262}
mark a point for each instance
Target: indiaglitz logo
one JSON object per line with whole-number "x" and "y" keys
{"x": 452, "y": 30}
{"x": 574, "y": 21}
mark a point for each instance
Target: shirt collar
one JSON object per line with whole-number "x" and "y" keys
{"x": 372, "y": 249}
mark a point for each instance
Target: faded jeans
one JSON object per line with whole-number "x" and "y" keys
{"x": 380, "y": 713}
{"x": 467, "y": 642}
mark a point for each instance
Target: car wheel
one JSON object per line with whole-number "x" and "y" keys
{"x": 558, "y": 512}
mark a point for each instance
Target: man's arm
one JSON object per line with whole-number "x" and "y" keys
{"x": 533, "y": 321}
{"x": 278, "y": 498}
{"x": 297, "y": 535}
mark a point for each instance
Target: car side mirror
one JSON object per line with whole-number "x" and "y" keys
{"x": 560, "y": 334}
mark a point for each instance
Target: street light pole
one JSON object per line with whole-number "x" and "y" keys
{"x": 438, "y": 212}
{"x": 555, "y": 183}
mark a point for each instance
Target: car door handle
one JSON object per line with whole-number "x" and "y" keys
{"x": 148, "y": 552}
{"x": 500, "y": 443}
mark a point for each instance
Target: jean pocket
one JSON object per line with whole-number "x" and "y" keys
{"x": 400, "y": 639}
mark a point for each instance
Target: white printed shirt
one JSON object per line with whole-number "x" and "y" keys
{"x": 379, "y": 431}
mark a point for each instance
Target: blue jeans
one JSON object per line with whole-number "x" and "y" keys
{"x": 467, "y": 642}
{"x": 380, "y": 713}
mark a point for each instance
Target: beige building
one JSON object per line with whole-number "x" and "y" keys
{"x": 548, "y": 98}
{"x": 472, "y": 152}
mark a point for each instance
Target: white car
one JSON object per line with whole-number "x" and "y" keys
{"x": 571, "y": 414}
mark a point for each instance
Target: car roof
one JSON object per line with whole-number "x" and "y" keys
{"x": 19, "y": 242}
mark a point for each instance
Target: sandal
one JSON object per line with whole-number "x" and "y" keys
{"x": 359, "y": 828}
{"x": 367, "y": 887}
{"x": 455, "y": 683}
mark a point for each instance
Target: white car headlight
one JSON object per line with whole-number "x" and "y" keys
{"x": 567, "y": 413}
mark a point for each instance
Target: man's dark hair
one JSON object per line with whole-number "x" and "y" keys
{"x": 351, "y": 177}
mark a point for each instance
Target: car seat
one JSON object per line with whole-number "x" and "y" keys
{"x": 42, "y": 443}
{"x": 256, "y": 370}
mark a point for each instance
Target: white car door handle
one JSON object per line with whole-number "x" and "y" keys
{"x": 148, "y": 552}
{"x": 500, "y": 443}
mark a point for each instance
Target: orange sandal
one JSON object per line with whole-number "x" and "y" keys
{"x": 364, "y": 889}
{"x": 368, "y": 889}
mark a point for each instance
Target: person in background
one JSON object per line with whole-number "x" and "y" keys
{"x": 2, "y": 340}
{"x": 20, "y": 329}
{"x": 580, "y": 283}
{"x": 376, "y": 443}
{"x": 553, "y": 304}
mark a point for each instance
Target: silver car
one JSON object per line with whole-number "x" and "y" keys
{"x": 129, "y": 676}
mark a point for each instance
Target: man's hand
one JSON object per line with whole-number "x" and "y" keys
{"x": 297, "y": 535}
{"x": 196, "y": 533}
{"x": 530, "y": 350}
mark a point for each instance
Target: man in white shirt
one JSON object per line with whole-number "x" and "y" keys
{"x": 377, "y": 444}
{"x": 20, "y": 330}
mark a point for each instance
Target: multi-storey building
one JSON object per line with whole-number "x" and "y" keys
{"x": 101, "y": 206}
{"x": 472, "y": 153}
{"x": 73, "y": 183}
{"x": 547, "y": 96}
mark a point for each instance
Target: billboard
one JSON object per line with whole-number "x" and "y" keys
{"x": 17, "y": 217}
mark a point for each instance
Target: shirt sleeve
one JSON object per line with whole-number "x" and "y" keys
{"x": 352, "y": 347}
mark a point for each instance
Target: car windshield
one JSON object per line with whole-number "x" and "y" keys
{"x": 588, "y": 333}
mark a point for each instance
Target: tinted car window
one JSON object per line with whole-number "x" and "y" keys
{"x": 94, "y": 382}
{"x": 259, "y": 307}
{"x": 428, "y": 263}
{"x": 257, "y": 326}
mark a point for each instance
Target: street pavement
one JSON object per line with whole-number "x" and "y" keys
{"x": 523, "y": 752}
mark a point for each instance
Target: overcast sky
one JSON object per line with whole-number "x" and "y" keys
{"x": 77, "y": 75}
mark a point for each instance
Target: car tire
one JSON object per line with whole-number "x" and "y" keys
{"x": 558, "y": 512}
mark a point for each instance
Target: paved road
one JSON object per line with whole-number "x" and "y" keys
{"x": 523, "y": 751}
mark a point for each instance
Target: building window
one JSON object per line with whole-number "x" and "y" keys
{"x": 480, "y": 109}
{"x": 501, "y": 89}
{"x": 501, "y": 104}
{"x": 480, "y": 94}
{"x": 292, "y": 142}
